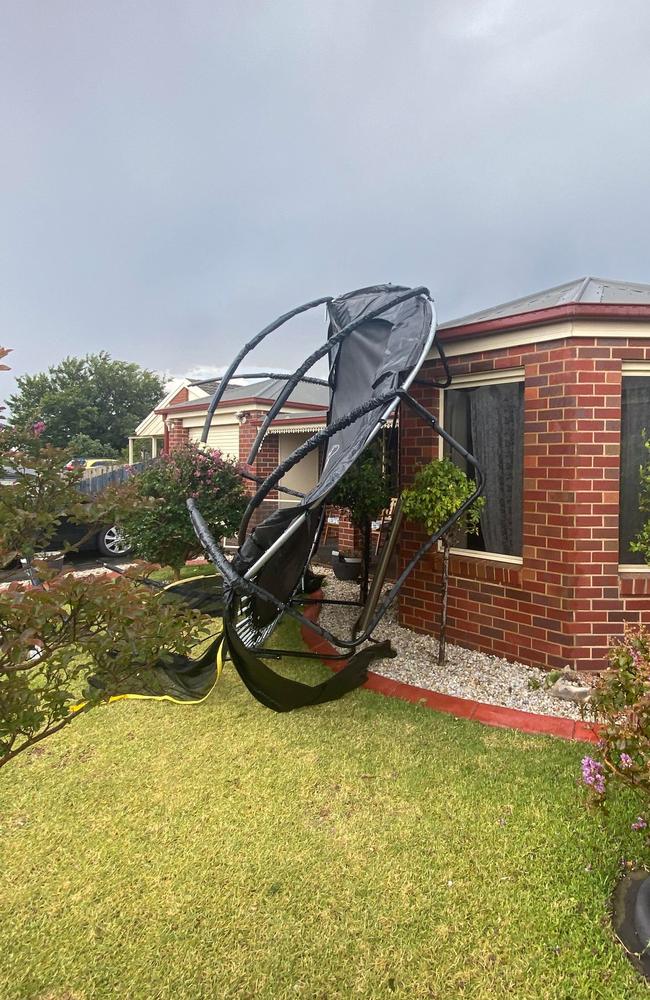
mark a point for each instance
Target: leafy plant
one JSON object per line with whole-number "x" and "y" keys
{"x": 621, "y": 704}
{"x": 439, "y": 490}
{"x": 365, "y": 491}
{"x": 156, "y": 521}
{"x": 55, "y": 634}
{"x": 84, "y": 446}
{"x": 96, "y": 396}
{"x": 642, "y": 541}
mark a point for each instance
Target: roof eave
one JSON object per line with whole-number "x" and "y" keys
{"x": 544, "y": 317}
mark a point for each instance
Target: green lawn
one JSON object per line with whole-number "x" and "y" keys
{"x": 366, "y": 848}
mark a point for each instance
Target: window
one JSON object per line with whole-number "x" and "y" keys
{"x": 635, "y": 419}
{"x": 488, "y": 420}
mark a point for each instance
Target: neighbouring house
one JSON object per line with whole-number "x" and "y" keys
{"x": 180, "y": 416}
{"x": 552, "y": 395}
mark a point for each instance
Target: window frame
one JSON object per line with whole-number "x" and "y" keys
{"x": 631, "y": 369}
{"x": 500, "y": 376}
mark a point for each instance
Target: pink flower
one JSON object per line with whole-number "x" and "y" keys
{"x": 38, "y": 428}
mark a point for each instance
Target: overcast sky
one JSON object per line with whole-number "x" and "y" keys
{"x": 175, "y": 173}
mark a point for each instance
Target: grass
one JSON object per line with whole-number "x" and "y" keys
{"x": 366, "y": 848}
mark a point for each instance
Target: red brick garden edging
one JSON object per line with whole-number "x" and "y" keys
{"x": 462, "y": 708}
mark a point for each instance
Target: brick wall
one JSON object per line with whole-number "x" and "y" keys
{"x": 566, "y": 598}
{"x": 178, "y": 434}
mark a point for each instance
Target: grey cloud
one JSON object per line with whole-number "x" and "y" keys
{"x": 176, "y": 174}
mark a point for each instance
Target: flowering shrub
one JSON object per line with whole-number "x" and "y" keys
{"x": 158, "y": 526}
{"x": 621, "y": 704}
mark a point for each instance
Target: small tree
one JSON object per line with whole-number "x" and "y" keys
{"x": 440, "y": 488}
{"x": 57, "y": 633}
{"x": 365, "y": 491}
{"x": 158, "y": 525}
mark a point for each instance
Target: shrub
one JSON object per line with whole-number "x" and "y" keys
{"x": 621, "y": 704}
{"x": 157, "y": 523}
{"x": 364, "y": 491}
{"x": 57, "y": 633}
{"x": 439, "y": 490}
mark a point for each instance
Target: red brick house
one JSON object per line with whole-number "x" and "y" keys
{"x": 180, "y": 416}
{"x": 551, "y": 393}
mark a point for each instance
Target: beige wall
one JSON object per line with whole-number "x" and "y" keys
{"x": 304, "y": 475}
{"x": 225, "y": 437}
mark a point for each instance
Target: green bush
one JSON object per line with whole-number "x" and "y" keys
{"x": 439, "y": 490}
{"x": 157, "y": 523}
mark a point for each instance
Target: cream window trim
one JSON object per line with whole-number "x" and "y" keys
{"x": 525, "y": 336}
{"x": 636, "y": 368}
{"x": 488, "y": 556}
{"x": 508, "y": 375}
{"x": 633, "y": 569}
{"x": 504, "y": 377}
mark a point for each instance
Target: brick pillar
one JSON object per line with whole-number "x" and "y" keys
{"x": 178, "y": 434}
{"x": 265, "y": 463}
{"x": 350, "y": 537}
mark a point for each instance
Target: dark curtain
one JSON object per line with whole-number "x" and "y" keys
{"x": 635, "y": 418}
{"x": 496, "y": 419}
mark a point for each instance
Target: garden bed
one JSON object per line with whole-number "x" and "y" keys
{"x": 467, "y": 674}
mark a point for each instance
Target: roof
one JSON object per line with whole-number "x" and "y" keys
{"x": 265, "y": 391}
{"x": 585, "y": 297}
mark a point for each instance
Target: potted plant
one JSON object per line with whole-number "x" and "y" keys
{"x": 346, "y": 567}
{"x": 439, "y": 489}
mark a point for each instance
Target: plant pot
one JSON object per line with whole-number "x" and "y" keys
{"x": 53, "y": 559}
{"x": 346, "y": 567}
{"x": 631, "y": 918}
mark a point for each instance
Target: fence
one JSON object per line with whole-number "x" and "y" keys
{"x": 97, "y": 480}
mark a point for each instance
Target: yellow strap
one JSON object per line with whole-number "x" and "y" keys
{"x": 166, "y": 697}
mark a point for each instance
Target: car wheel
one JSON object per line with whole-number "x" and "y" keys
{"x": 111, "y": 542}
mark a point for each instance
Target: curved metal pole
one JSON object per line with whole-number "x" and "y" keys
{"x": 319, "y": 353}
{"x": 246, "y": 349}
{"x": 238, "y": 583}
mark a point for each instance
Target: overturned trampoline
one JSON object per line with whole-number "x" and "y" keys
{"x": 378, "y": 339}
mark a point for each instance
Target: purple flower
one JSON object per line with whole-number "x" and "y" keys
{"x": 626, "y": 761}
{"x": 592, "y": 774}
{"x": 38, "y": 428}
{"x": 639, "y": 824}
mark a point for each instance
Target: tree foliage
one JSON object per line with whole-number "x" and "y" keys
{"x": 158, "y": 525}
{"x": 83, "y": 446}
{"x": 365, "y": 492}
{"x": 96, "y": 395}
{"x": 439, "y": 490}
{"x": 56, "y": 633}
{"x": 364, "y": 489}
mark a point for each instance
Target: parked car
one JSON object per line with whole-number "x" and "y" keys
{"x": 106, "y": 540}
{"x": 92, "y": 463}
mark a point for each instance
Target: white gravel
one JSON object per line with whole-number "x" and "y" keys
{"x": 467, "y": 673}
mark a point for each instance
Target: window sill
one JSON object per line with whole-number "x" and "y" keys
{"x": 495, "y": 557}
{"x": 634, "y": 581}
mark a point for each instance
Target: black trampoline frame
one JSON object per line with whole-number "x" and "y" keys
{"x": 244, "y": 584}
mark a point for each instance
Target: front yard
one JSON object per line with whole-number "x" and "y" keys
{"x": 366, "y": 848}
